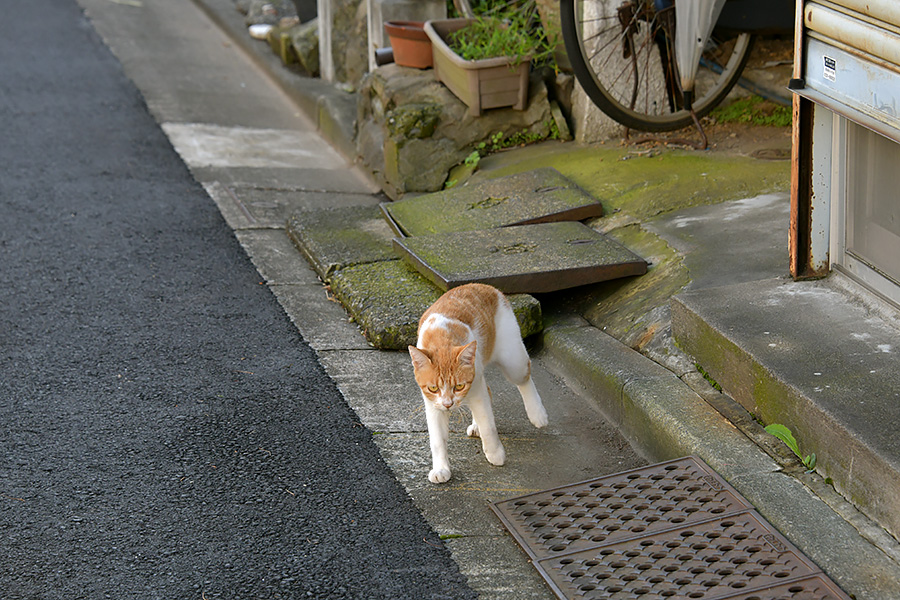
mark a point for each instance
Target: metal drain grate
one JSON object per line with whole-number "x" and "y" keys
{"x": 671, "y": 530}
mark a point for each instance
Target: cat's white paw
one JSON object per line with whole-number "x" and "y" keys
{"x": 497, "y": 457}
{"x": 472, "y": 431}
{"x": 539, "y": 418}
{"x": 439, "y": 475}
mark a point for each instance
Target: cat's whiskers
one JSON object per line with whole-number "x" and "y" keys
{"x": 460, "y": 415}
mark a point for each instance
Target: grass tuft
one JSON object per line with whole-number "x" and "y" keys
{"x": 753, "y": 110}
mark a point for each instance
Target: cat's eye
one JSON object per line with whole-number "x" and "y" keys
{"x": 433, "y": 389}
{"x": 459, "y": 387}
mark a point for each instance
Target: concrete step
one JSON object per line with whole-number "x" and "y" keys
{"x": 810, "y": 356}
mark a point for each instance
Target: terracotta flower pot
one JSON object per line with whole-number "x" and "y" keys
{"x": 481, "y": 84}
{"x": 412, "y": 47}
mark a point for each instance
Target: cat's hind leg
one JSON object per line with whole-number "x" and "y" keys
{"x": 534, "y": 407}
{"x": 512, "y": 358}
{"x": 483, "y": 425}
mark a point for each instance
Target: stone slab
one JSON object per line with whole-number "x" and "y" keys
{"x": 206, "y": 145}
{"x": 387, "y": 298}
{"x": 546, "y": 257}
{"x": 322, "y": 321}
{"x": 265, "y": 208}
{"x": 298, "y": 178}
{"x": 705, "y": 236}
{"x": 536, "y": 196}
{"x": 387, "y": 404}
{"x": 275, "y": 257}
{"x": 336, "y": 238}
{"x": 763, "y": 343}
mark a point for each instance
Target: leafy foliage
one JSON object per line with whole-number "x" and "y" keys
{"x": 510, "y": 30}
{"x": 784, "y": 434}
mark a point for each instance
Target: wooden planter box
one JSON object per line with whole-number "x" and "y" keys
{"x": 481, "y": 84}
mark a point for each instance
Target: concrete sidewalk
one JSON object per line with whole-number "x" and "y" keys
{"x": 662, "y": 412}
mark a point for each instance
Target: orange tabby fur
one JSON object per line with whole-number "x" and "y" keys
{"x": 468, "y": 328}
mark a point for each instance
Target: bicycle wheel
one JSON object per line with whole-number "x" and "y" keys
{"x": 622, "y": 55}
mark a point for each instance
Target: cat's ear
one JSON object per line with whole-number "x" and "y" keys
{"x": 419, "y": 359}
{"x": 466, "y": 356}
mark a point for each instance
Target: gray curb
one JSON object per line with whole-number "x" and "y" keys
{"x": 664, "y": 418}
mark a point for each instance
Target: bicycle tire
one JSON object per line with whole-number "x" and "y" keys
{"x": 596, "y": 47}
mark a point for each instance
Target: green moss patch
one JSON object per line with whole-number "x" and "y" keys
{"x": 643, "y": 184}
{"x": 387, "y": 298}
{"x": 332, "y": 239}
{"x": 625, "y": 308}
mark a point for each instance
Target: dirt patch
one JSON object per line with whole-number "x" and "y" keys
{"x": 767, "y": 74}
{"x": 758, "y": 141}
{"x": 739, "y": 139}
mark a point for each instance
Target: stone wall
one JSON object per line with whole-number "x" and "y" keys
{"x": 411, "y": 130}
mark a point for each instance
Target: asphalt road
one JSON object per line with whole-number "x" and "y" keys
{"x": 164, "y": 431}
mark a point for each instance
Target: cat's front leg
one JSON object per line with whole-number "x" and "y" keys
{"x": 438, "y": 433}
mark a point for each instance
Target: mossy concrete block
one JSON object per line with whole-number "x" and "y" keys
{"x": 387, "y": 298}
{"x": 337, "y": 238}
{"x": 305, "y": 40}
{"x": 535, "y": 196}
{"x": 762, "y": 341}
{"x": 528, "y": 313}
{"x": 280, "y": 41}
{"x": 652, "y": 407}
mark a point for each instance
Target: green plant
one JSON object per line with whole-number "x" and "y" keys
{"x": 784, "y": 434}
{"x": 473, "y": 159}
{"x": 709, "y": 378}
{"x": 755, "y": 111}
{"x": 511, "y": 30}
{"x": 498, "y": 142}
{"x": 478, "y": 6}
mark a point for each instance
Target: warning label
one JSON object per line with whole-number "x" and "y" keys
{"x": 830, "y": 68}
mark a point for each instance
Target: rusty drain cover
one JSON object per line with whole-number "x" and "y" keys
{"x": 671, "y": 530}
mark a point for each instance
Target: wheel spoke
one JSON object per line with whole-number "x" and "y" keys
{"x": 625, "y": 62}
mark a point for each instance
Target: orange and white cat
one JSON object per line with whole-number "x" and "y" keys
{"x": 466, "y": 329}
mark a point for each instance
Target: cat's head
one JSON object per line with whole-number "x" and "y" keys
{"x": 444, "y": 375}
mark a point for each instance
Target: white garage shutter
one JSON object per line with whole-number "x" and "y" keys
{"x": 851, "y": 57}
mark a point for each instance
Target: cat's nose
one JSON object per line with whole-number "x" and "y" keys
{"x": 447, "y": 402}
